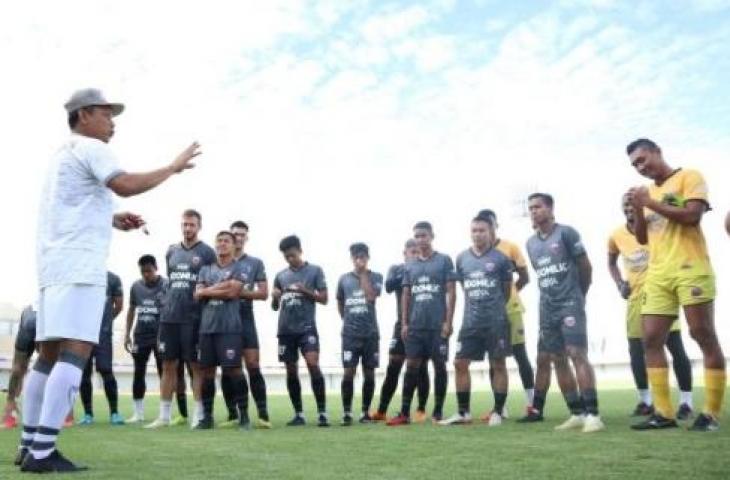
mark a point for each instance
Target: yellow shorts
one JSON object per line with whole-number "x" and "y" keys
{"x": 633, "y": 318}
{"x": 664, "y": 296}
{"x": 517, "y": 327}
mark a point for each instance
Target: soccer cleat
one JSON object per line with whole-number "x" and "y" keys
{"x": 495, "y": 419}
{"x": 419, "y": 416}
{"x": 705, "y": 423}
{"x": 436, "y": 417}
{"x": 642, "y": 410}
{"x": 574, "y": 421}
{"x": 229, "y": 423}
{"x": 55, "y": 462}
{"x": 505, "y": 413}
{"x": 378, "y": 417}
{"x": 244, "y": 423}
{"x": 158, "y": 423}
{"x": 398, "y": 420}
{"x": 347, "y": 420}
{"x": 20, "y": 456}
{"x": 322, "y": 420}
{"x": 456, "y": 419}
{"x": 592, "y": 423}
{"x": 205, "y": 423}
{"x": 135, "y": 419}
{"x": 655, "y": 422}
{"x": 262, "y": 424}
{"x": 365, "y": 418}
{"x": 532, "y": 415}
{"x": 116, "y": 419}
{"x": 297, "y": 421}
{"x": 86, "y": 420}
{"x": 9, "y": 422}
{"x": 179, "y": 420}
{"x": 69, "y": 422}
{"x": 684, "y": 412}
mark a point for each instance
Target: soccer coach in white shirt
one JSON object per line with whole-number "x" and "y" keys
{"x": 74, "y": 232}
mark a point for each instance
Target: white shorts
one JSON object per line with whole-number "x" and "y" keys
{"x": 71, "y": 311}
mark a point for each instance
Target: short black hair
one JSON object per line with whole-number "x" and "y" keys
{"x": 423, "y": 225}
{"x": 224, "y": 233}
{"x": 191, "y": 212}
{"x": 359, "y": 248}
{"x": 487, "y": 213}
{"x": 239, "y": 224}
{"x": 147, "y": 259}
{"x": 292, "y": 241}
{"x": 482, "y": 217}
{"x": 73, "y": 117}
{"x": 642, "y": 143}
{"x": 546, "y": 198}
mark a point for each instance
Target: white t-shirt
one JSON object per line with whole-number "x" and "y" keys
{"x": 76, "y": 214}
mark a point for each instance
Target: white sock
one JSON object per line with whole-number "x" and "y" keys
{"x": 529, "y": 395}
{"x": 165, "y": 410}
{"x": 139, "y": 407}
{"x": 62, "y": 388}
{"x": 33, "y": 390}
{"x": 686, "y": 397}
{"x": 198, "y": 410}
{"x": 645, "y": 396}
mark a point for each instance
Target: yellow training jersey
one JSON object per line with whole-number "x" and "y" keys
{"x": 512, "y": 251}
{"x": 635, "y": 257}
{"x": 676, "y": 249}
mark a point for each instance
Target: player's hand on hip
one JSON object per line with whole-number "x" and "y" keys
{"x": 128, "y": 221}
{"x": 184, "y": 160}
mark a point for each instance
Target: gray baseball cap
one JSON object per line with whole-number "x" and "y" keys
{"x": 91, "y": 97}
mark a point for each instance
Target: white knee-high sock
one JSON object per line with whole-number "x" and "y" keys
{"x": 33, "y": 390}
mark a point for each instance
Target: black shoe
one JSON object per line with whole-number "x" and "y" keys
{"x": 347, "y": 420}
{"x": 297, "y": 421}
{"x": 365, "y": 418}
{"x": 655, "y": 422}
{"x": 205, "y": 423}
{"x": 705, "y": 423}
{"x": 643, "y": 410}
{"x": 533, "y": 415}
{"x": 20, "y": 456}
{"x": 322, "y": 421}
{"x": 55, "y": 462}
{"x": 684, "y": 412}
{"x": 244, "y": 423}
{"x": 232, "y": 415}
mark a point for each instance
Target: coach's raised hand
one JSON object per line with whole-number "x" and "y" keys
{"x": 184, "y": 160}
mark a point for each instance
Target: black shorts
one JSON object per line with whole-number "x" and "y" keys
{"x": 144, "y": 341}
{"x": 473, "y": 345}
{"x": 291, "y": 345}
{"x": 178, "y": 341}
{"x": 250, "y": 337}
{"x": 354, "y": 348}
{"x": 427, "y": 344}
{"x": 219, "y": 349}
{"x": 396, "y": 346}
{"x": 562, "y": 326}
{"x": 141, "y": 353}
{"x": 25, "y": 341}
{"x": 101, "y": 354}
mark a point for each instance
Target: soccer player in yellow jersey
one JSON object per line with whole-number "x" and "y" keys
{"x": 667, "y": 217}
{"x": 515, "y": 309}
{"x": 635, "y": 262}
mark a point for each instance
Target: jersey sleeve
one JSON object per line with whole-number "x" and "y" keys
{"x": 116, "y": 286}
{"x": 260, "y": 272}
{"x": 613, "y": 246}
{"x": 203, "y": 276}
{"x": 320, "y": 283}
{"x": 694, "y": 187}
{"x": 99, "y": 160}
{"x": 377, "y": 283}
{"x": 340, "y": 291}
{"x": 132, "y": 297}
{"x": 449, "y": 270}
{"x": 573, "y": 242}
{"x": 407, "y": 281}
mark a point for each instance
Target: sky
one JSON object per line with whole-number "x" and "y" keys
{"x": 350, "y": 121}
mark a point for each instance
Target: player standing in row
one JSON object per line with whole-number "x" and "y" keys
{"x": 564, "y": 276}
{"x": 636, "y": 261}
{"x": 357, "y": 292}
{"x": 297, "y": 291}
{"x": 429, "y": 299}
{"x": 145, "y": 304}
{"x": 180, "y": 319}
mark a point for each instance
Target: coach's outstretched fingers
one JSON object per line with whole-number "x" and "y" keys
{"x": 184, "y": 160}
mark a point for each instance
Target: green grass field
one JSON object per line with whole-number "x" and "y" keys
{"x": 379, "y": 452}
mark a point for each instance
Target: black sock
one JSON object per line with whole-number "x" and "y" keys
{"x": 409, "y": 386}
{"x": 389, "y": 385}
{"x": 86, "y": 391}
{"x": 441, "y": 382}
{"x": 538, "y": 400}
{"x": 139, "y": 386}
{"x": 424, "y": 386}
{"x": 499, "y": 399}
{"x": 318, "y": 389}
{"x": 575, "y": 403}
{"x": 346, "y": 389}
{"x": 228, "y": 390}
{"x": 294, "y": 387}
{"x": 590, "y": 400}
{"x": 258, "y": 391}
{"x": 208, "y": 396}
{"x": 368, "y": 389}
{"x": 240, "y": 396}
{"x": 111, "y": 391}
{"x": 680, "y": 361}
{"x": 464, "y": 400}
{"x": 638, "y": 365}
{"x": 525, "y": 367}
{"x": 182, "y": 404}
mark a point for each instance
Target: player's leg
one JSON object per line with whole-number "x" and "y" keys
{"x": 463, "y": 387}
{"x": 682, "y": 372}
{"x": 140, "y": 355}
{"x": 111, "y": 389}
{"x": 519, "y": 353}
{"x": 229, "y": 347}
{"x": 439, "y": 356}
{"x": 569, "y": 387}
{"x": 21, "y": 359}
{"x": 310, "y": 352}
{"x": 396, "y": 358}
{"x": 423, "y": 388}
{"x": 500, "y": 387}
{"x": 191, "y": 336}
{"x": 251, "y": 358}
{"x": 350, "y": 359}
{"x": 417, "y": 349}
{"x": 370, "y": 361}
{"x": 289, "y": 355}
{"x": 207, "y": 366}
{"x": 86, "y": 390}
{"x": 641, "y": 380}
{"x": 170, "y": 352}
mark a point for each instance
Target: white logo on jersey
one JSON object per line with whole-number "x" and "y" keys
{"x": 347, "y": 355}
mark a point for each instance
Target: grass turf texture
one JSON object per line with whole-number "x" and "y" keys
{"x": 376, "y": 451}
